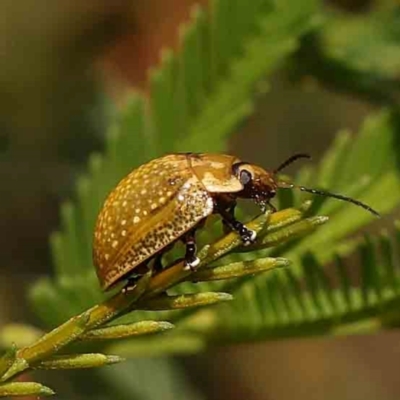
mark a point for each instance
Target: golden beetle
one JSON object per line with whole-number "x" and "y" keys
{"x": 170, "y": 197}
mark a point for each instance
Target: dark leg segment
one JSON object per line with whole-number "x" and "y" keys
{"x": 231, "y": 211}
{"x": 272, "y": 207}
{"x": 157, "y": 263}
{"x": 248, "y": 236}
{"x": 191, "y": 260}
{"x": 131, "y": 280}
{"x": 130, "y": 284}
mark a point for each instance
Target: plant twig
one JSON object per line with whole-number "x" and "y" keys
{"x": 149, "y": 293}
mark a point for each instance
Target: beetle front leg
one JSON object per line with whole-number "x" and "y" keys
{"x": 225, "y": 225}
{"x": 191, "y": 261}
{"x": 272, "y": 207}
{"x": 247, "y": 235}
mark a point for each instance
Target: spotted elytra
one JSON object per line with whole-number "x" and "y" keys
{"x": 168, "y": 198}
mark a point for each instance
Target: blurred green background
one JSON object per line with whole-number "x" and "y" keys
{"x": 66, "y": 67}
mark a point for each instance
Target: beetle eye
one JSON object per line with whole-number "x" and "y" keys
{"x": 245, "y": 176}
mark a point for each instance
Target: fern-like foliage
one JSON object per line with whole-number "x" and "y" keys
{"x": 356, "y": 54}
{"x": 196, "y": 98}
{"x": 359, "y": 292}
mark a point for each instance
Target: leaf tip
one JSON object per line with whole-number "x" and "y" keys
{"x": 319, "y": 220}
{"x": 281, "y": 262}
{"x": 114, "y": 360}
{"x": 165, "y": 326}
{"x": 46, "y": 391}
{"x": 221, "y": 296}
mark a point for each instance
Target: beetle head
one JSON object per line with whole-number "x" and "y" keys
{"x": 258, "y": 184}
{"x": 261, "y": 185}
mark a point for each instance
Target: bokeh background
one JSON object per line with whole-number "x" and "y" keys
{"x": 65, "y": 66}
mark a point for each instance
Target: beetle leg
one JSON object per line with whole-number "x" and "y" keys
{"x": 157, "y": 263}
{"x": 248, "y": 236}
{"x": 133, "y": 279}
{"x": 228, "y": 203}
{"x": 191, "y": 261}
{"x": 272, "y": 207}
{"x": 225, "y": 225}
{"x": 130, "y": 284}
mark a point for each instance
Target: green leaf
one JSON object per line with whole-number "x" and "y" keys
{"x": 78, "y": 361}
{"x": 369, "y": 44}
{"x": 19, "y": 389}
{"x": 375, "y": 142}
{"x": 328, "y": 304}
{"x": 359, "y": 54}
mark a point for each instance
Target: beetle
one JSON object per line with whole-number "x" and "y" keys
{"x": 168, "y": 198}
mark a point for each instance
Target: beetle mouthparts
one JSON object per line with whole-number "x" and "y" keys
{"x": 263, "y": 204}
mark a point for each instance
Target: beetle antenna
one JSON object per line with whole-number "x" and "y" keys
{"x": 285, "y": 185}
{"x": 290, "y": 160}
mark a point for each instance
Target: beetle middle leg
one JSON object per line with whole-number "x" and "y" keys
{"x": 247, "y": 235}
{"x": 226, "y": 203}
{"x": 157, "y": 263}
{"x": 191, "y": 261}
{"x": 225, "y": 225}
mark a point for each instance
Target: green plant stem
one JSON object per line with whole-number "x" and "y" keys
{"x": 72, "y": 329}
{"x": 123, "y": 301}
{"x": 147, "y": 288}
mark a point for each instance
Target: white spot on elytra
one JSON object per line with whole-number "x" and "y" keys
{"x": 144, "y": 212}
{"x": 114, "y": 244}
{"x": 153, "y": 206}
{"x": 137, "y": 211}
{"x": 123, "y": 233}
{"x": 162, "y": 200}
{"x": 123, "y": 222}
{"x": 106, "y": 256}
{"x": 169, "y": 193}
{"x": 217, "y": 165}
{"x": 136, "y": 219}
{"x": 124, "y": 203}
{"x": 143, "y": 191}
{"x": 181, "y": 197}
